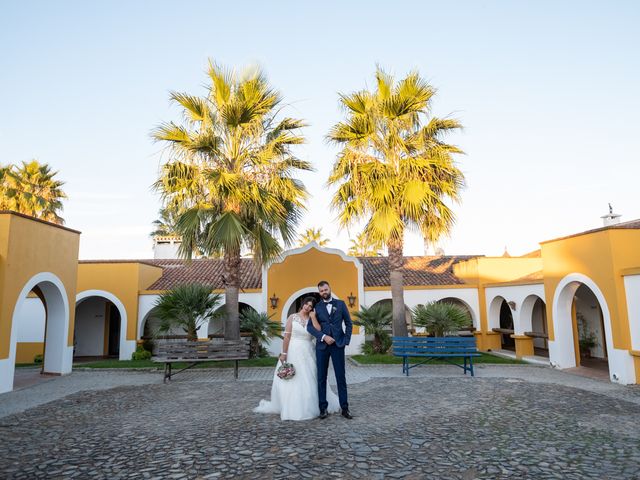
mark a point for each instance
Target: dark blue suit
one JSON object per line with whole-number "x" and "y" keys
{"x": 332, "y": 325}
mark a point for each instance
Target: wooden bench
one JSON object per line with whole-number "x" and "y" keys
{"x": 198, "y": 352}
{"x": 446, "y": 348}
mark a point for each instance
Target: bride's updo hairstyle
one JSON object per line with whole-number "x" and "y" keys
{"x": 307, "y": 300}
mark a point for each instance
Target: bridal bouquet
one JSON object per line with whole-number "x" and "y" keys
{"x": 286, "y": 371}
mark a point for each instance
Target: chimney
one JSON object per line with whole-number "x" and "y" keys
{"x": 166, "y": 247}
{"x": 610, "y": 218}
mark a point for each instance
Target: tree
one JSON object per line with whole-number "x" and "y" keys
{"x": 31, "y": 189}
{"x": 440, "y": 318}
{"x": 361, "y": 246}
{"x": 394, "y": 170}
{"x": 261, "y": 327}
{"x": 231, "y": 173}
{"x": 313, "y": 235}
{"x": 165, "y": 225}
{"x": 374, "y": 320}
{"x": 188, "y": 307}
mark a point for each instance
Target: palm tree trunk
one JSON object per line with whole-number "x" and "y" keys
{"x": 231, "y": 293}
{"x": 396, "y": 261}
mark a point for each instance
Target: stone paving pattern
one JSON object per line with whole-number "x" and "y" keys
{"x": 505, "y": 423}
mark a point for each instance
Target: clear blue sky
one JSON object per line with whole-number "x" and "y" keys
{"x": 547, "y": 92}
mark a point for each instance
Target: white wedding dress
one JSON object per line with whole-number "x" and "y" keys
{"x": 297, "y": 397}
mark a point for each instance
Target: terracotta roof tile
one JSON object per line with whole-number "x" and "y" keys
{"x": 417, "y": 270}
{"x": 211, "y": 271}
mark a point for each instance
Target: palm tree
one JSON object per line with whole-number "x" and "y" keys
{"x": 361, "y": 246}
{"x": 32, "y": 189}
{"x": 440, "y": 318}
{"x": 230, "y": 175}
{"x": 394, "y": 171}
{"x": 165, "y": 225}
{"x": 374, "y": 320}
{"x": 187, "y": 307}
{"x": 261, "y": 327}
{"x": 313, "y": 235}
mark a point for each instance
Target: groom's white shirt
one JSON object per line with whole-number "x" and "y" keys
{"x": 328, "y": 305}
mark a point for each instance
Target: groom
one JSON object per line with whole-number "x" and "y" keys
{"x": 331, "y": 340}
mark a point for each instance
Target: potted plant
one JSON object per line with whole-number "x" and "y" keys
{"x": 587, "y": 339}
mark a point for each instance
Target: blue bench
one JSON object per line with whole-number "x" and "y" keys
{"x": 446, "y": 348}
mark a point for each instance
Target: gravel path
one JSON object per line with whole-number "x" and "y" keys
{"x": 507, "y": 422}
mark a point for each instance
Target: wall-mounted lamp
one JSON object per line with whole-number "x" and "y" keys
{"x": 274, "y": 301}
{"x": 352, "y": 300}
{"x": 512, "y": 305}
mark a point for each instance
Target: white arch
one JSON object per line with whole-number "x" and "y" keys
{"x": 525, "y": 316}
{"x": 58, "y": 355}
{"x": 294, "y": 296}
{"x": 474, "y": 319}
{"x": 562, "y": 350}
{"x": 127, "y": 347}
{"x": 493, "y": 314}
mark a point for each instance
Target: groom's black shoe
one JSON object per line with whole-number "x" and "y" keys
{"x": 323, "y": 415}
{"x": 346, "y": 414}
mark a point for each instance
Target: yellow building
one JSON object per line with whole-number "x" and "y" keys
{"x": 574, "y": 302}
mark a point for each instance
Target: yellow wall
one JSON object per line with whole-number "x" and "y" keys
{"x": 122, "y": 279}
{"x": 29, "y": 247}
{"x": 483, "y": 271}
{"x": 306, "y": 269}
{"x": 600, "y": 256}
{"x": 26, "y": 351}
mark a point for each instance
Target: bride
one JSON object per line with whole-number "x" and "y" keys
{"x": 297, "y": 397}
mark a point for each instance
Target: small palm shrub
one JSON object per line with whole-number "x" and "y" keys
{"x": 375, "y": 320}
{"x": 141, "y": 354}
{"x": 441, "y": 318}
{"x": 261, "y": 328}
{"x": 187, "y": 307}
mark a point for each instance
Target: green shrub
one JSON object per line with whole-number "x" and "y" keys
{"x": 375, "y": 320}
{"x": 370, "y": 348}
{"x": 141, "y": 354}
{"x": 441, "y": 318}
{"x": 38, "y": 358}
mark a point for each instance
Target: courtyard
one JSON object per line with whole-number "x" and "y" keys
{"x": 510, "y": 421}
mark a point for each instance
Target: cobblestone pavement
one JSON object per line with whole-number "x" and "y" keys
{"x": 515, "y": 422}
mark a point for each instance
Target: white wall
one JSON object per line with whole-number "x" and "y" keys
{"x": 524, "y": 297}
{"x": 31, "y": 319}
{"x": 632, "y": 292}
{"x": 412, "y": 298}
{"x": 89, "y": 327}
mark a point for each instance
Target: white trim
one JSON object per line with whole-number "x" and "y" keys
{"x": 58, "y": 356}
{"x": 561, "y": 349}
{"x": 127, "y": 347}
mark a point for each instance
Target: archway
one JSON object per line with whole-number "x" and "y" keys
{"x": 533, "y": 318}
{"x": 589, "y": 330}
{"x": 296, "y": 305}
{"x": 216, "y": 327}
{"x": 464, "y": 306}
{"x": 97, "y": 329}
{"x": 564, "y": 348}
{"x": 501, "y": 321}
{"x": 57, "y": 356}
{"x": 408, "y": 316}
